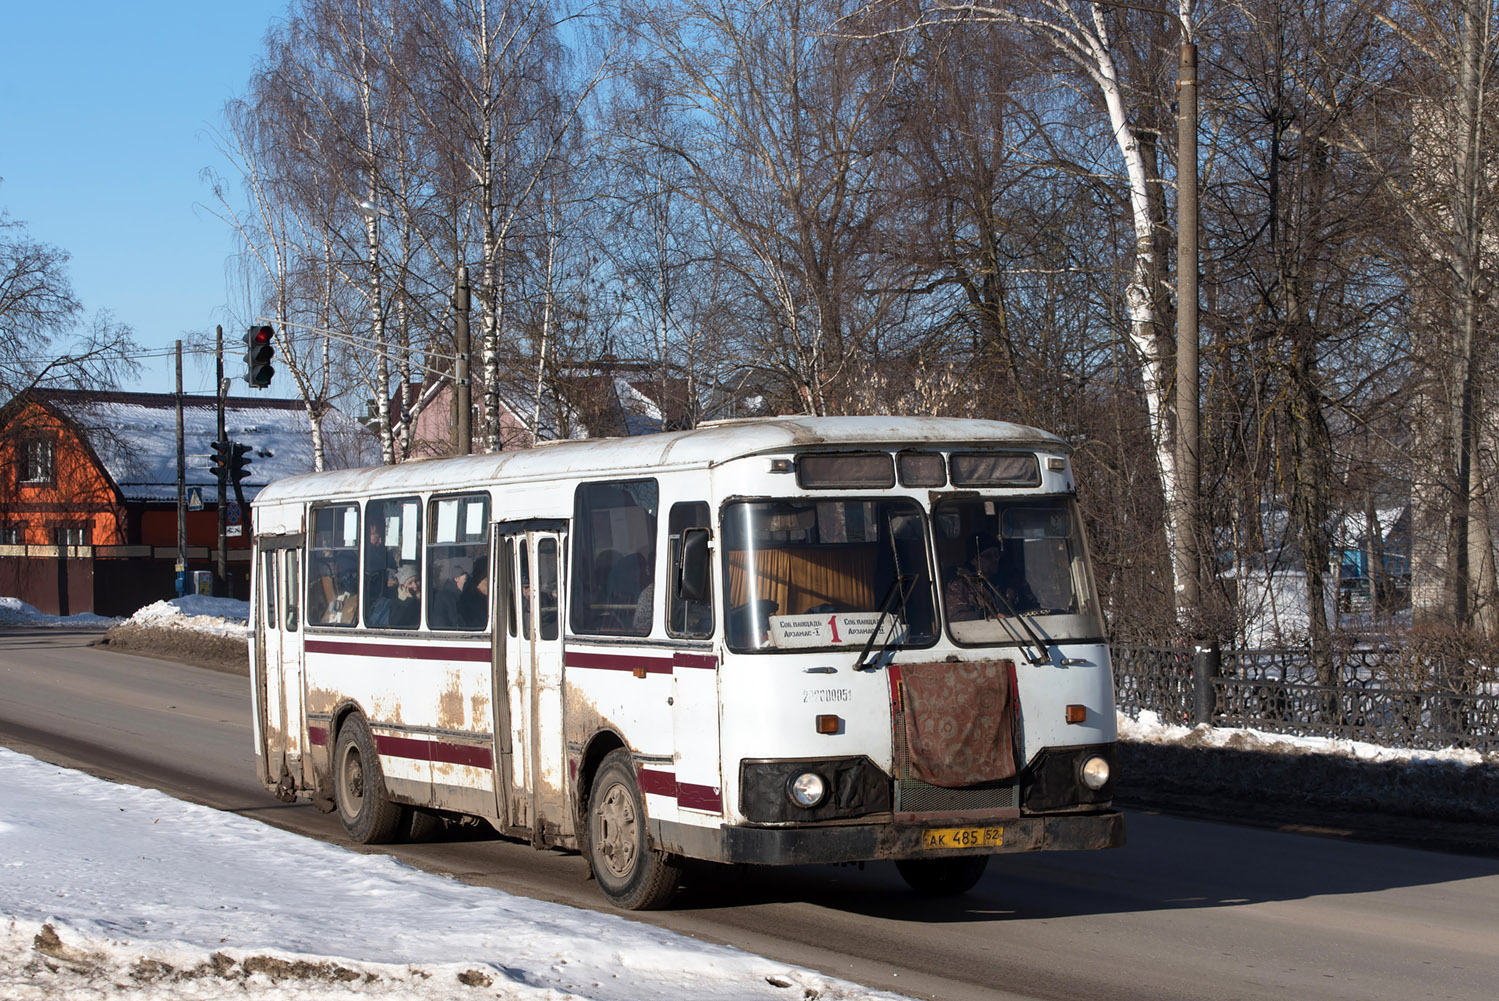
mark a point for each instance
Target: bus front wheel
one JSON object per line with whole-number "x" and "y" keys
{"x": 368, "y": 815}
{"x": 943, "y": 877}
{"x": 631, "y": 874}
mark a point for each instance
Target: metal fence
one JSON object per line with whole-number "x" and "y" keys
{"x": 1359, "y": 695}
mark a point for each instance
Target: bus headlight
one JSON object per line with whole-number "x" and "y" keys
{"x": 1095, "y": 773}
{"x": 807, "y": 790}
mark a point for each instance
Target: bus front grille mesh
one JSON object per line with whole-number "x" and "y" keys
{"x": 914, "y": 796}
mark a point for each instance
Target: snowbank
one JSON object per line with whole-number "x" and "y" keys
{"x": 1148, "y": 728}
{"x": 113, "y": 891}
{"x": 213, "y": 616}
{"x": 15, "y": 612}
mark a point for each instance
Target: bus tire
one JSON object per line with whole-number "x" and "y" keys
{"x": 631, "y": 874}
{"x": 368, "y": 815}
{"x": 943, "y": 877}
{"x": 422, "y": 825}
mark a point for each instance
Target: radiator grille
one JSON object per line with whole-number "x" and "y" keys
{"x": 914, "y": 796}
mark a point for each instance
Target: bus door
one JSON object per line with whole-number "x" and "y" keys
{"x": 279, "y": 661}
{"x": 528, "y": 681}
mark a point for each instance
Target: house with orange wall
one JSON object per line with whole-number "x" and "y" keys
{"x": 88, "y": 490}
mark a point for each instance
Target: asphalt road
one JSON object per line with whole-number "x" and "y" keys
{"x": 1187, "y": 910}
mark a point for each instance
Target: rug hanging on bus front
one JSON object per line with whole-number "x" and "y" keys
{"x": 959, "y": 721}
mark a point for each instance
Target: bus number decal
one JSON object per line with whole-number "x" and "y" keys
{"x": 828, "y": 695}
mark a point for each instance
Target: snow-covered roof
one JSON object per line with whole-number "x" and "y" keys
{"x": 135, "y": 437}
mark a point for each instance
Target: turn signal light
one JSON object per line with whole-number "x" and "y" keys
{"x": 829, "y": 724}
{"x": 1077, "y": 714}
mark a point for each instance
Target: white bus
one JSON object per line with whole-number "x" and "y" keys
{"x": 773, "y": 641}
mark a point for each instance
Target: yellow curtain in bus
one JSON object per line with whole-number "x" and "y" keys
{"x": 799, "y": 578}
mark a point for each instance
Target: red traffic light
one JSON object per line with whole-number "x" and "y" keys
{"x": 258, "y": 355}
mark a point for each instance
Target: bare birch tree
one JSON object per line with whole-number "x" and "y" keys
{"x": 779, "y": 129}
{"x": 1086, "y": 37}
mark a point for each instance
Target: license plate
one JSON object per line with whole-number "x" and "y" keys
{"x": 963, "y": 837}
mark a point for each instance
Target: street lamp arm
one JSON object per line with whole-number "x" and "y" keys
{"x": 1181, "y": 22}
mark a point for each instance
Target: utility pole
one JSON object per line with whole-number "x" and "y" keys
{"x": 218, "y": 386}
{"x": 181, "y": 488}
{"x": 1184, "y": 507}
{"x": 1186, "y": 324}
{"x": 462, "y": 394}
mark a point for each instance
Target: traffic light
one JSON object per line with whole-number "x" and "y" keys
{"x": 219, "y": 464}
{"x": 258, "y": 355}
{"x": 238, "y": 464}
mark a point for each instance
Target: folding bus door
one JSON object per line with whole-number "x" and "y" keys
{"x": 278, "y": 625}
{"x": 528, "y": 681}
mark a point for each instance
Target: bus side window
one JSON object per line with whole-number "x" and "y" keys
{"x": 269, "y": 585}
{"x": 333, "y": 566}
{"x": 546, "y": 588}
{"x": 510, "y": 593}
{"x": 293, "y": 588}
{"x": 525, "y": 591}
{"x": 614, "y": 558}
{"x": 458, "y": 563}
{"x": 392, "y": 541}
{"x": 687, "y": 617}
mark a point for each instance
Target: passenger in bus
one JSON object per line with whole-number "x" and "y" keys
{"x": 969, "y": 591}
{"x": 377, "y": 612}
{"x": 473, "y": 603}
{"x": 379, "y": 562}
{"x": 406, "y": 610}
{"x": 443, "y": 612}
{"x": 343, "y": 587}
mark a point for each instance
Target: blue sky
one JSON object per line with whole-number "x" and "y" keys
{"x": 106, "y": 112}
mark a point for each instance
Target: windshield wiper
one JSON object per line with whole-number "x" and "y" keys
{"x": 983, "y": 588}
{"x": 900, "y": 587}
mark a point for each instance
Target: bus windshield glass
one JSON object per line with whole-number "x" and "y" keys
{"x": 1001, "y": 558}
{"x": 826, "y": 574}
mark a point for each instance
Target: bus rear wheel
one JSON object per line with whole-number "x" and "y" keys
{"x": 368, "y": 815}
{"x": 943, "y": 877}
{"x": 632, "y": 875}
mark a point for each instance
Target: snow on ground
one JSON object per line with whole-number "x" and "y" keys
{"x": 113, "y": 891}
{"x": 218, "y": 616}
{"x": 1149, "y": 729}
{"x": 15, "y": 612}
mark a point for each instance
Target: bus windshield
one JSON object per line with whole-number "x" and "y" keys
{"x": 1000, "y": 558}
{"x": 826, "y": 574}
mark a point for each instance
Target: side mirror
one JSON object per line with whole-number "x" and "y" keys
{"x": 696, "y": 577}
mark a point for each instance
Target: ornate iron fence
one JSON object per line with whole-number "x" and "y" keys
{"x": 1154, "y": 678}
{"x": 1363, "y": 694}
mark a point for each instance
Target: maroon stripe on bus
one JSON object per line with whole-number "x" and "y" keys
{"x": 462, "y": 754}
{"x": 414, "y": 749}
{"x": 618, "y": 662}
{"x": 403, "y": 747}
{"x": 317, "y": 736}
{"x": 657, "y": 783}
{"x": 703, "y": 660}
{"x": 695, "y": 797}
{"x": 400, "y": 651}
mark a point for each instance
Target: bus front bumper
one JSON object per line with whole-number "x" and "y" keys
{"x": 902, "y": 840}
